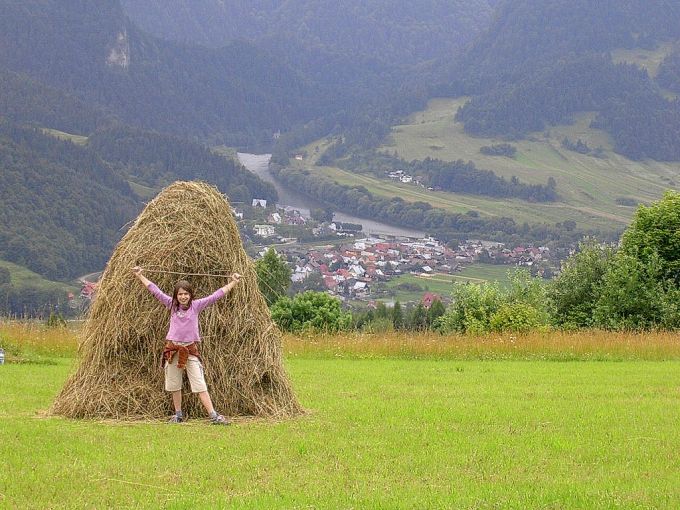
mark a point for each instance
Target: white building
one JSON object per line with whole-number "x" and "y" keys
{"x": 264, "y": 230}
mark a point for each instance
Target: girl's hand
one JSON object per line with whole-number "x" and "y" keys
{"x": 137, "y": 270}
{"x": 235, "y": 277}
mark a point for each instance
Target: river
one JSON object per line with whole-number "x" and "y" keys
{"x": 259, "y": 165}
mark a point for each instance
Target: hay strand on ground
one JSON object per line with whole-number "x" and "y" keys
{"x": 187, "y": 229}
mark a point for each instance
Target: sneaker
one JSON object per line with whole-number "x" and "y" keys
{"x": 176, "y": 418}
{"x": 218, "y": 419}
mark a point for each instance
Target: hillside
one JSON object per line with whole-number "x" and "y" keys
{"x": 23, "y": 292}
{"x": 595, "y": 191}
{"x": 385, "y": 31}
{"x": 91, "y": 50}
{"x": 62, "y": 207}
{"x": 67, "y": 198}
{"x": 540, "y": 63}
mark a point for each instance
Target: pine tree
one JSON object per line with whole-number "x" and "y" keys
{"x": 397, "y": 316}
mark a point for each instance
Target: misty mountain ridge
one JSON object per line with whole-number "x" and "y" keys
{"x": 541, "y": 62}
{"x": 388, "y": 31}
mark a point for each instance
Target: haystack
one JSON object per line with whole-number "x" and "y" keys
{"x": 187, "y": 229}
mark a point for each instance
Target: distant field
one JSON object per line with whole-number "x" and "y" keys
{"x": 589, "y": 186}
{"x": 650, "y": 60}
{"x": 143, "y": 192}
{"x": 384, "y": 430}
{"x": 77, "y": 139}
{"x": 22, "y": 277}
{"x": 442, "y": 284}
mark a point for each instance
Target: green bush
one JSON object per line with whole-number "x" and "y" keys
{"x": 656, "y": 230}
{"x": 471, "y": 309}
{"x": 518, "y": 318}
{"x": 310, "y": 311}
{"x": 481, "y": 308}
{"x": 632, "y": 295}
{"x": 378, "y": 325}
{"x": 573, "y": 295}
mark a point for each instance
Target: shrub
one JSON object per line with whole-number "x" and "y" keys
{"x": 656, "y": 229}
{"x": 574, "y": 293}
{"x": 479, "y": 309}
{"x": 378, "y": 325}
{"x": 310, "y": 311}
{"x": 518, "y": 318}
{"x": 471, "y": 309}
{"x": 631, "y": 295}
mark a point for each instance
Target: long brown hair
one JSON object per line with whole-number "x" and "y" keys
{"x": 182, "y": 284}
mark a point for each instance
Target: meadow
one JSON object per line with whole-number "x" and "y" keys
{"x": 551, "y": 420}
{"x": 22, "y": 277}
{"x": 442, "y": 284}
{"x": 592, "y": 189}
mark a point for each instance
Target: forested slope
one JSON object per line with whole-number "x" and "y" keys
{"x": 91, "y": 50}
{"x": 541, "y": 62}
{"x": 62, "y": 207}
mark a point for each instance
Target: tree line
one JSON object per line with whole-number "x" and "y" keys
{"x": 456, "y": 176}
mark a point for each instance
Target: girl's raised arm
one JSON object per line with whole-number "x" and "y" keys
{"x": 138, "y": 273}
{"x": 152, "y": 287}
{"x": 200, "y": 304}
{"x": 235, "y": 278}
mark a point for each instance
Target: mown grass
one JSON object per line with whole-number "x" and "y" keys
{"x": 650, "y": 60}
{"x": 62, "y": 135}
{"x": 396, "y": 421}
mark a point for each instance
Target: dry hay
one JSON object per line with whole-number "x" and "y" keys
{"x": 187, "y": 229}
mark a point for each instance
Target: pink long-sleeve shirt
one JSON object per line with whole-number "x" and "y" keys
{"x": 184, "y": 323}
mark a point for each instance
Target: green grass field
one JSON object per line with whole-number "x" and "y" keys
{"x": 650, "y": 60}
{"x": 381, "y": 433}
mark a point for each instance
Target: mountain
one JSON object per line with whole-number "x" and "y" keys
{"x": 62, "y": 206}
{"x": 91, "y": 50}
{"x": 543, "y": 61}
{"x": 387, "y": 31}
{"x": 368, "y": 62}
{"x": 527, "y": 35}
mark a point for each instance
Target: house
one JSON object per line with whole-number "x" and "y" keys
{"x": 264, "y": 230}
{"x": 429, "y": 298}
{"x": 360, "y": 289}
{"x": 259, "y": 202}
{"x": 357, "y": 270}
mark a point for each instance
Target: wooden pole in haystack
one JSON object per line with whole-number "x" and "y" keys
{"x": 186, "y": 232}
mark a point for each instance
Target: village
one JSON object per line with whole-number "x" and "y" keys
{"x": 354, "y": 270}
{"x": 353, "y": 265}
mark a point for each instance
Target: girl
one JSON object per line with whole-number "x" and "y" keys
{"x": 181, "y": 347}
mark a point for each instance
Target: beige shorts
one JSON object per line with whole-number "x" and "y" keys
{"x": 194, "y": 369}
